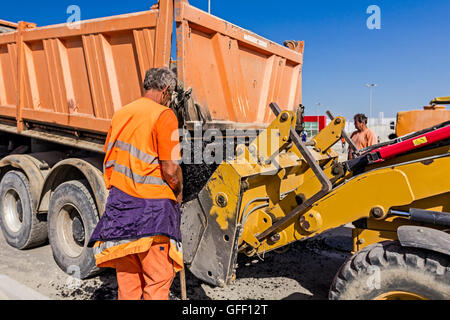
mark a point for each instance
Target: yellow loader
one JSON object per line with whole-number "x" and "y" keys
{"x": 279, "y": 190}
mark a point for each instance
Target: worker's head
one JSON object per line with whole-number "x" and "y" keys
{"x": 159, "y": 84}
{"x": 360, "y": 121}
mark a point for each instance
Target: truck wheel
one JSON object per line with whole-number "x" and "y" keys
{"x": 21, "y": 227}
{"x": 72, "y": 217}
{"x": 388, "y": 271}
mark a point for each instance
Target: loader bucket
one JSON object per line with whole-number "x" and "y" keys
{"x": 210, "y": 228}
{"x": 243, "y": 206}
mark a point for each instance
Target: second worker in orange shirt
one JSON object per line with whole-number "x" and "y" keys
{"x": 363, "y": 137}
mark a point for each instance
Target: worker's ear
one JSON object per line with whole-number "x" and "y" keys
{"x": 166, "y": 91}
{"x": 166, "y": 95}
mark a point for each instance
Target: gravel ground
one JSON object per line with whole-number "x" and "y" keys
{"x": 303, "y": 272}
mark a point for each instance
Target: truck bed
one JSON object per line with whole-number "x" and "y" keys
{"x": 75, "y": 78}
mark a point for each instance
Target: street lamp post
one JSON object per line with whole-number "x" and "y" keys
{"x": 317, "y": 112}
{"x": 209, "y": 6}
{"x": 371, "y": 86}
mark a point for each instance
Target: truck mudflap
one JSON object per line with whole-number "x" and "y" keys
{"x": 424, "y": 238}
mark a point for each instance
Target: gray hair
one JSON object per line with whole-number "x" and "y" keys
{"x": 159, "y": 79}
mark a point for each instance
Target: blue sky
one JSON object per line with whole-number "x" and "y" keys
{"x": 409, "y": 58}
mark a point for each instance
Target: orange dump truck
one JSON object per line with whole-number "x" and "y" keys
{"x": 61, "y": 84}
{"x": 416, "y": 120}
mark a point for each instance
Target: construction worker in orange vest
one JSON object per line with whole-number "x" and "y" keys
{"x": 139, "y": 233}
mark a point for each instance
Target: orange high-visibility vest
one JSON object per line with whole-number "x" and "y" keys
{"x": 131, "y": 163}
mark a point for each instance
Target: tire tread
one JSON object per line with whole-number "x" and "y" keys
{"x": 83, "y": 186}
{"x": 387, "y": 254}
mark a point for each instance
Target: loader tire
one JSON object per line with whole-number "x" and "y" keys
{"x": 72, "y": 217}
{"x": 21, "y": 226}
{"x": 388, "y": 271}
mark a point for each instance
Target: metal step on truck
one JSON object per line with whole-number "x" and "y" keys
{"x": 59, "y": 88}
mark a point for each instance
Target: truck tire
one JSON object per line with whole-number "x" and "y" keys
{"x": 72, "y": 217}
{"x": 21, "y": 226}
{"x": 388, "y": 271}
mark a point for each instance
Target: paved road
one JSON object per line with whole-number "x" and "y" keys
{"x": 11, "y": 289}
{"x": 305, "y": 271}
{"x": 32, "y": 268}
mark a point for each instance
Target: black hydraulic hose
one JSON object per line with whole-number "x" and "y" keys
{"x": 425, "y": 216}
{"x": 430, "y": 217}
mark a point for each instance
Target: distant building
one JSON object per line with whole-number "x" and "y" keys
{"x": 314, "y": 124}
{"x": 381, "y": 125}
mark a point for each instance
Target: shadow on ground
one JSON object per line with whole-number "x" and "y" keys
{"x": 304, "y": 272}
{"x": 311, "y": 264}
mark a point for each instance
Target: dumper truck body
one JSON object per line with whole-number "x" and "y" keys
{"x": 77, "y": 76}
{"x": 416, "y": 120}
{"x": 60, "y": 86}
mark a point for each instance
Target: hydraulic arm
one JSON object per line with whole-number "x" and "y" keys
{"x": 277, "y": 191}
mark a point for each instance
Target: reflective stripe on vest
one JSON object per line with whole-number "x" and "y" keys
{"x": 131, "y": 163}
{"x": 134, "y": 176}
{"x": 141, "y": 155}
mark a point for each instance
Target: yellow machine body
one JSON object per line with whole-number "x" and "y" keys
{"x": 275, "y": 193}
